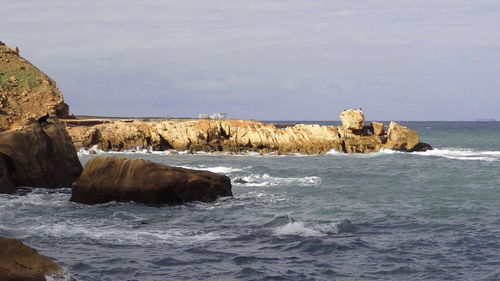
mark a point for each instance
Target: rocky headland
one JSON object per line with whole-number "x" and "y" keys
{"x": 35, "y": 148}
{"x": 239, "y": 136}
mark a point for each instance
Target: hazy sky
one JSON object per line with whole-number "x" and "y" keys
{"x": 266, "y": 59}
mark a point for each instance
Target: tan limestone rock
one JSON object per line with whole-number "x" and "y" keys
{"x": 400, "y": 137}
{"x": 377, "y": 128}
{"x": 353, "y": 119}
{"x": 231, "y": 136}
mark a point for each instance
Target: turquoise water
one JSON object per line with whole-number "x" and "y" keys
{"x": 382, "y": 216}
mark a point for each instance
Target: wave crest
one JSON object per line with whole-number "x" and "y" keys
{"x": 267, "y": 180}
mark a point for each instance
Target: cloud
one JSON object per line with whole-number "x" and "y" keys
{"x": 310, "y": 57}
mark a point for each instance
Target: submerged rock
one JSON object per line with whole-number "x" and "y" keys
{"x": 106, "y": 178}
{"x": 20, "y": 262}
{"x": 240, "y": 180}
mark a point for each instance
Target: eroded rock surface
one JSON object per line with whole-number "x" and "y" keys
{"x": 400, "y": 137}
{"x": 26, "y": 93}
{"x": 19, "y": 262}
{"x": 106, "y": 178}
{"x": 352, "y": 119}
{"x": 41, "y": 155}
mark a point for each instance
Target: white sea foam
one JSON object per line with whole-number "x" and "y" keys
{"x": 218, "y": 169}
{"x": 138, "y": 150}
{"x": 298, "y": 228}
{"x": 114, "y": 234}
{"x": 59, "y": 276}
{"x": 149, "y": 150}
{"x": 462, "y": 154}
{"x": 383, "y": 151}
{"x": 267, "y": 180}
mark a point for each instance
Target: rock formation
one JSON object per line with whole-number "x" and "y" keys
{"x": 107, "y": 179}
{"x": 26, "y": 93}
{"x": 20, "y": 262}
{"x": 352, "y": 119}
{"x": 35, "y": 149}
{"x": 235, "y": 136}
{"x": 41, "y": 155}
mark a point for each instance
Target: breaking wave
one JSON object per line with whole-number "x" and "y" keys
{"x": 450, "y": 153}
{"x": 267, "y": 180}
{"x": 287, "y": 226}
{"x": 462, "y": 154}
{"x": 218, "y": 169}
{"x": 361, "y": 155}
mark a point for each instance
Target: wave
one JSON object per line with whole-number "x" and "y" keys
{"x": 106, "y": 232}
{"x": 267, "y": 180}
{"x": 462, "y": 154}
{"x": 450, "y": 153}
{"x": 287, "y": 226}
{"x": 382, "y": 152}
{"x": 149, "y": 150}
{"x": 218, "y": 169}
{"x": 138, "y": 150}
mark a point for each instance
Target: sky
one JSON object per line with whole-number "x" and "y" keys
{"x": 266, "y": 59}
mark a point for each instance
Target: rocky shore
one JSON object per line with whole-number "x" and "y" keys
{"x": 36, "y": 151}
{"x": 239, "y": 136}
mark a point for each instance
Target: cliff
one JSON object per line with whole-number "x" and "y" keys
{"x": 235, "y": 136}
{"x": 26, "y": 93}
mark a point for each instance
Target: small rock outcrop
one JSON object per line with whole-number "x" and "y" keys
{"x": 106, "y": 178}
{"x": 401, "y": 138}
{"x": 20, "y": 262}
{"x": 35, "y": 148}
{"x": 352, "y": 119}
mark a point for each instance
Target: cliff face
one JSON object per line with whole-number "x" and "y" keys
{"x": 242, "y": 136}
{"x": 26, "y": 93}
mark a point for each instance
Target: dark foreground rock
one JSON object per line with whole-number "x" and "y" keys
{"x": 19, "y": 262}
{"x": 39, "y": 155}
{"x": 6, "y": 169}
{"x": 106, "y": 178}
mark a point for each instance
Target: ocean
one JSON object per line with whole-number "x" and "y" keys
{"x": 384, "y": 216}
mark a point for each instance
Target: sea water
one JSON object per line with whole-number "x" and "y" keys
{"x": 383, "y": 216}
